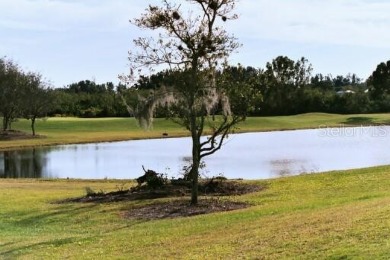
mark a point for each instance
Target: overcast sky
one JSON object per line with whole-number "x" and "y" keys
{"x": 72, "y": 40}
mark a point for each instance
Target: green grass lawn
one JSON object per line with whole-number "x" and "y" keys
{"x": 337, "y": 215}
{"x": 80, "y": 130}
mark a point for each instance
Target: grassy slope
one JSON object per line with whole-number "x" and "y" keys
{"x": 76, "y": 130}
{"x": 337, "y": 215}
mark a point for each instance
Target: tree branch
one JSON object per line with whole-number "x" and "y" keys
{"x": 222, "y": 132}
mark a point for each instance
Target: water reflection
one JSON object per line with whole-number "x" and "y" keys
{"x": 287, "y": 167}
{"x": 249, "y": 156}
{"x": 283, "y": 167}
{"x": 22, "y": 164}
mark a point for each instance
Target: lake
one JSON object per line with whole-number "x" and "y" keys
{"x": 249, "y": 156}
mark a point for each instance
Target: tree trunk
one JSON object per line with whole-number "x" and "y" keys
{"x": 5, "y": 123}
{"x": 195, "y": 165}
{"x": 33, "y": 125}
{"x": 195, "y": 173}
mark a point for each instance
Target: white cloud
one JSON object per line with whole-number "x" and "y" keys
{"x": 70, "y": 40}
{"x": 63, "y": 15}
{"x": 350, "y": 22}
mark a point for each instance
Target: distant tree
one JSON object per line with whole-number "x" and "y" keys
{"x": 240, "y": 79}
{"x": 302, "y": 72}
{"x": 38, "y": 98}
{"x": 10, "y": 83}
{"x": 66, "y": 103}
{"x": 89, "y": 99}
{"x": 379, "y": 81}
{"x": 193, "y": 47}
{"x": 86, "y": 86}
{"x": 354, "y": 79}
{"x": 341, "y": 82}
{"x": 283, "y": 81}
{"x": 322, "y": 82}
{"x": 155, "y": 81}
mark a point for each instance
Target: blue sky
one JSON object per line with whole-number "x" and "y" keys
{"x": 72, "y": 40}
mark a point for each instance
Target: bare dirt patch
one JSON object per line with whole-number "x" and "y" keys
{"x": 182, "y": 208}
{"x": 11, "y": 135}
{"x": 211, "y": 193}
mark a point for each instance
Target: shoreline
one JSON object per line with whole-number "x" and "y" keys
{"x": 15, "y": 147}
{"x": 71, "y": 130}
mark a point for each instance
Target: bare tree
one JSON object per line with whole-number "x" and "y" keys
{"x": 194, "y": 46}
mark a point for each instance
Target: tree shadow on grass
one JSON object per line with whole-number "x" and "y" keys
{"x": 6, "y": 244}
{"x": 360, "y": 120}
{"x": 178, "y": 208}
{"x": 65, "y": 212}
{"x": 69, "y": 212}
{"x": 19, "y": 251}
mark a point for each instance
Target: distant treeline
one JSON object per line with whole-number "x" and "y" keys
{"x": 287, "y": 87}
{"x": 88, "y": 99}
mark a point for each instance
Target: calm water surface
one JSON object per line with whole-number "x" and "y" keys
{"x": 249, "y": 156}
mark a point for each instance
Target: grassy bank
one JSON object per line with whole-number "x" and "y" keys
{"x": 338, "y": 215}
{"x": 77, "y": 130}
